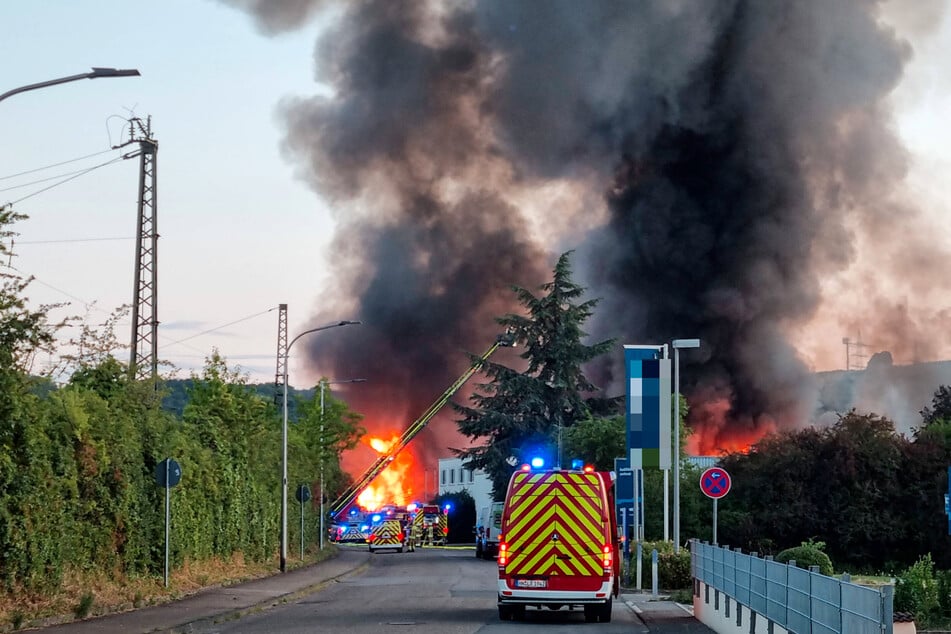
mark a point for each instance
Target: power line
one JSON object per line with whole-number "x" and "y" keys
{"x": 46, "y": 179}
{"x": 66, "y": 180}
{"x": 205, "y": 332}
{"x": 40, "y": 169}
{"x": 20, "y": 242}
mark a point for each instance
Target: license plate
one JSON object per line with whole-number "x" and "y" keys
{"x": 531, "y": 583}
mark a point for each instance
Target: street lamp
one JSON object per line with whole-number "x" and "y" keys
{"x": 323, "y": 384}
{"x": 678, "y": 344}
{"x": 287, "y": 350}
{"x": 96, "y": 72}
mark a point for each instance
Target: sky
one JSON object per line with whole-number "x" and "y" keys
{"x": 240, "y": 232}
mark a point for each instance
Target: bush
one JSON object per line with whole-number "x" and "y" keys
{"x": 84, "y": 606}
{"x": 916, "y": 590}
{"x": 673, "y": 570}
{"x": 944, "y": 592}
{"x": 808, "y": 554}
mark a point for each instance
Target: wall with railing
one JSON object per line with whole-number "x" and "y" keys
{"x": 736, "y": 592}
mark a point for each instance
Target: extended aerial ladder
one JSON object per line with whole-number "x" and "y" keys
{"x": 351, "y": 494}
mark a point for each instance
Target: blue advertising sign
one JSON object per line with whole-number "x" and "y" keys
{"x": 648, "y": 406}
{"x": 625, "y": 481}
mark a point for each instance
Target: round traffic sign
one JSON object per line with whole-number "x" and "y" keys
{"x": 168, "y": 473}
{"x": 715, "y": 482}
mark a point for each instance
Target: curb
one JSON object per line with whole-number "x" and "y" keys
{"x": 189, "y": 627}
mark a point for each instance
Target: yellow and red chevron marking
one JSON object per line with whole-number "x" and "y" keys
{"x": 386, "y": 533}
{"x": 556, "y": 524}
{"x": 353, "y": 534}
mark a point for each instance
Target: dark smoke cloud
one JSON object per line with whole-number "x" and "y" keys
{"x": 744, "y": 152}
{"x": 278, "y": 16}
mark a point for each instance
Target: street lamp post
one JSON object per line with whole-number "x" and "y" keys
{"x": 287, "y": 350}
{"x": 96, "y": 72}
{"x": 323, "y": 384}
{"x": 678, "y": 344}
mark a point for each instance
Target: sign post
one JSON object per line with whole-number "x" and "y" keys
{"x": 715, "y": 483}
{"x": 168, "y": 473}
{"x": 303, "y": 495}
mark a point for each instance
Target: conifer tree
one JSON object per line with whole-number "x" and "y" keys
{"x": 517, "y": 414}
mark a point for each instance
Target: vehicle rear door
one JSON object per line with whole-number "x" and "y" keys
{"x": 555, "y": 531}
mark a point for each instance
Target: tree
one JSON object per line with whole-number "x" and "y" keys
{"x": 319, "y": 441}
{"x": 597, "y": 441}
{"x": 940, "y": 409}
{"x": 518, "y": 413}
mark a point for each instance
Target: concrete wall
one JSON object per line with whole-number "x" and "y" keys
{"x": 725, "y": 616}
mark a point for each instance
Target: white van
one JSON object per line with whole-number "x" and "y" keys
{"x": 488, "y": 531}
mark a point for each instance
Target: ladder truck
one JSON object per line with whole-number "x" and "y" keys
{"x": 353, "y": 492}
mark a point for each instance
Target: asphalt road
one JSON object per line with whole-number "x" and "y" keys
{"x": 430, "y": 591}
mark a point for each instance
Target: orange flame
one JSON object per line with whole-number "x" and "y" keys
{"x": 393, "y": 485}
{"x": 717, "y": 433}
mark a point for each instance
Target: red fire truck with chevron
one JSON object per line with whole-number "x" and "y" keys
{"x": 559, "y": 545}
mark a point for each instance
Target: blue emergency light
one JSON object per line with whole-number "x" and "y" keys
{"x": 577, "y": 465}
{"x": 538, "y": 462}
{"x": 448, "y": 506}
{"x": 377, "y": 517}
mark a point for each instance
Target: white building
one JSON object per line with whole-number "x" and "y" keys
{"x": 453, "y": 478}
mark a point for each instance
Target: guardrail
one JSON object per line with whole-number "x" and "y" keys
{"x": 798, "y": 600}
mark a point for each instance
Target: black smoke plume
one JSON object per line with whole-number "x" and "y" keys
{"x": 714, "y": 163}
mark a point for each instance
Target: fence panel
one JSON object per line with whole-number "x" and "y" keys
{"x": 861, "y": 609}
{"x": 758, "y": 585}
{"x": 799, "y": 600}
{"x": 776, "y": 584}
{"x": 798, "y": 607}
{"x": 743, "y": 578}
{"x": 826, "y": 604}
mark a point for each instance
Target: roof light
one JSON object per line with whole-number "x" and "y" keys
{"x": 526, "y": 467}
{"x": 411, "y": 507}
{"x": 377, "y": 517}
{"x": 538, "y": 462}
{"x": 588, "y": 468}
{"x": 577, "y": 464}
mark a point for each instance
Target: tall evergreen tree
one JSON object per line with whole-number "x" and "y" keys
{"x": 519, "y": 413}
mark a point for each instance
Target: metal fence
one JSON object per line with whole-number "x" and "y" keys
{"x": 802, "y": 601}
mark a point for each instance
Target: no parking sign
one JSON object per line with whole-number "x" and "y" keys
{"x": 715, "y": 483}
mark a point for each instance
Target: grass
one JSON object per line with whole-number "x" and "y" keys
{"x": 94, "y": 593}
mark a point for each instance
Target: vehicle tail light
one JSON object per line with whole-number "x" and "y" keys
{"x": 503, "y": 554}
{"x": 371, "y": 537}
{"x": 400, "y": 536}
{"x": 445, "y": 531}
{"x": 607, "y": 560}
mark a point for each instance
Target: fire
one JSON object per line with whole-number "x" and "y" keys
{"x": 716, "y": 433}
{"x": 394, "y": 484}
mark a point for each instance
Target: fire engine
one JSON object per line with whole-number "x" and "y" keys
{"x": 559, "y": 545}
{"x": 431, "y": 525}
{"x": 387, "y": 533}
